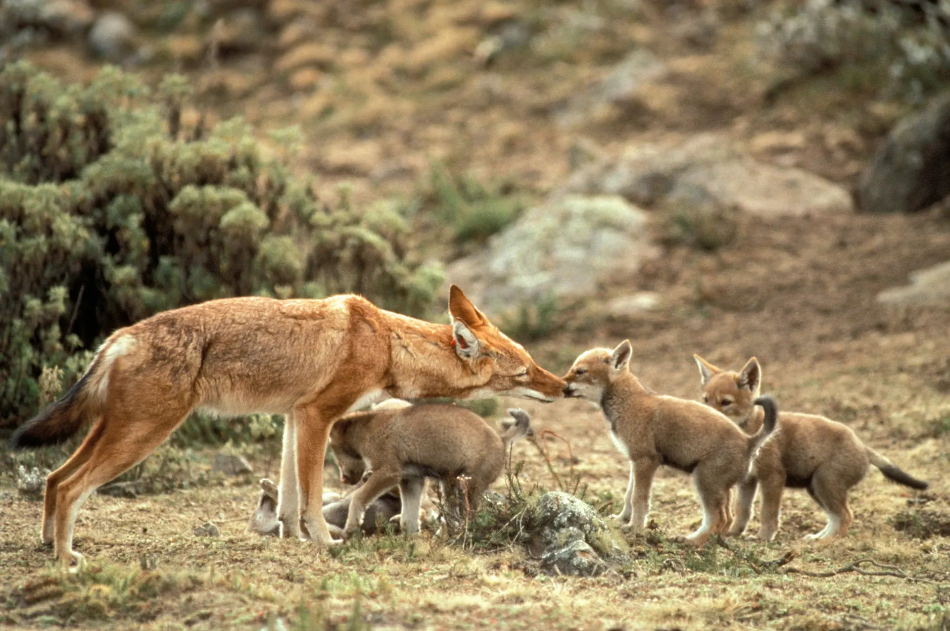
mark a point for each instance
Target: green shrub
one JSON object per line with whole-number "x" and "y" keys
{"x": 531, "y": 321}
{"x": 472, "y": 210}
{"x": 112, "y": 209}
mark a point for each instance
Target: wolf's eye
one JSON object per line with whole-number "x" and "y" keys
{"x": 726, "y": 402}
{"x": 580, "y": 371}
{"x": 522, "y": 373}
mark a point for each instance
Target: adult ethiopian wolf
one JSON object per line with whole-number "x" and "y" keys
{"x": 310, "y": 360}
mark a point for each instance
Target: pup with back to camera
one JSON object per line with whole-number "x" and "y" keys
{"x": 654, "y": 430}
{"x": 404, "y": 444}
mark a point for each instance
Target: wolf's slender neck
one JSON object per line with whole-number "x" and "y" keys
{"x": 624, "y": 388}
{"x": 424, "y": 363}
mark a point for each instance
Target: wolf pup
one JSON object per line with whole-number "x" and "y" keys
{"x": 310, "y": 360}
{"x": 654, "y": 430}
{"x": 807, "y": 451}
{"x": 335, "y": 510}
{"x": 406, "y": 444}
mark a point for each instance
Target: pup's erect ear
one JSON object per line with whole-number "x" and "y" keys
{"x": 706, "y": 370}
{"x": 620, "y": 357}
{"x": 750, "y": 376}
{"x": 519, "y": 415}
{"x": 465, "y": 342}
{"x": 462, "y": 309}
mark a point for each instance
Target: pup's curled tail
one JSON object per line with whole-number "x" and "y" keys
{"x": 892, "y": 472}
{"x": 767, "y": 403}
{"x": 518, "y": 430}
{"x": 80, "y": 405}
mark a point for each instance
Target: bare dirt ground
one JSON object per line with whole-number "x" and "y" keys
{"x": 802, "y": 301}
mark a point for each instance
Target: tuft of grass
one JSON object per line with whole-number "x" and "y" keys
{"x": 704, "y": 226}
{"x": 532, "y": 321}
{"x": 472, "y": 210}
{"x": 97, "y": 592}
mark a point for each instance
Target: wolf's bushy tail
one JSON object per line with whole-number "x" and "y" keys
{"x": 892, "y": 472}
{"x": 63, "y": 418}
{"x": 520, "y": 428}
{"x": 767, "y": 403}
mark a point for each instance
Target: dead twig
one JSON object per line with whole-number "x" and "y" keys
{"x": 857, "y": 567}
{"x": 538, "y": 442}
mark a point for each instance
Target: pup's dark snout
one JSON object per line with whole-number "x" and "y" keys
{"x": 568, "y": 390}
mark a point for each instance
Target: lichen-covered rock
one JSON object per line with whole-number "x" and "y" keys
{"x": 570, "y": 537}
{"x": 911, "y": 169}
{"x": 575, "y": 558}
{"x": 707, "y": 170}
{"x": 561, "y": 250}
{"x": 558, "y": 512}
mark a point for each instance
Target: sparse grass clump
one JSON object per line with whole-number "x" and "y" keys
{"x": 703, "y": 226}
{"x": 98, "y": 592}
{"x": 472, "y": 210}
{"x": 532, "y": 321}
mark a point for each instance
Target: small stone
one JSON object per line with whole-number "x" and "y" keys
{"x": 230, "y": 464}
{"x": 640, "y": 302}
{"x": 207, "y": 529}
{"x": 911, "y": 169}
{"x": 112, "y": 37}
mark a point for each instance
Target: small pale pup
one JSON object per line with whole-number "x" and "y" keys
{"x": 264, "y": 520}
{"x": 404, "y": 444}
{"x": 654, "y": 430}
{"x": 806, "y": 451}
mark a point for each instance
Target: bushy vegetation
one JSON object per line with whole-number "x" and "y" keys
{"x": 901, "y": 47}
{"x": 113, "y": 208}
{"x": 471, "y": 209}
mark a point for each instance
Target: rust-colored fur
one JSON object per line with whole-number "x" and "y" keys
{"x": 311, "y": 360}
{"x": 652, "y": 430}
{"x": 805, "y": 451}
{"x": 405, "y": 445}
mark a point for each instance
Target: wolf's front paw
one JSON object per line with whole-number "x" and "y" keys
{"x": 289, "y": 530}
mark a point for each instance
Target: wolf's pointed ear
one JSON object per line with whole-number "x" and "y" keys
{"x": 462, "y": 309}
{"x": 706, "y": 370}
{"x": 620, "y": 356}
{"x": 465, "y": 343}
{"x": 750, "y": 376}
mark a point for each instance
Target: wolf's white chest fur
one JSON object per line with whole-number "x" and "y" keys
{"x": 621, "y": 447}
